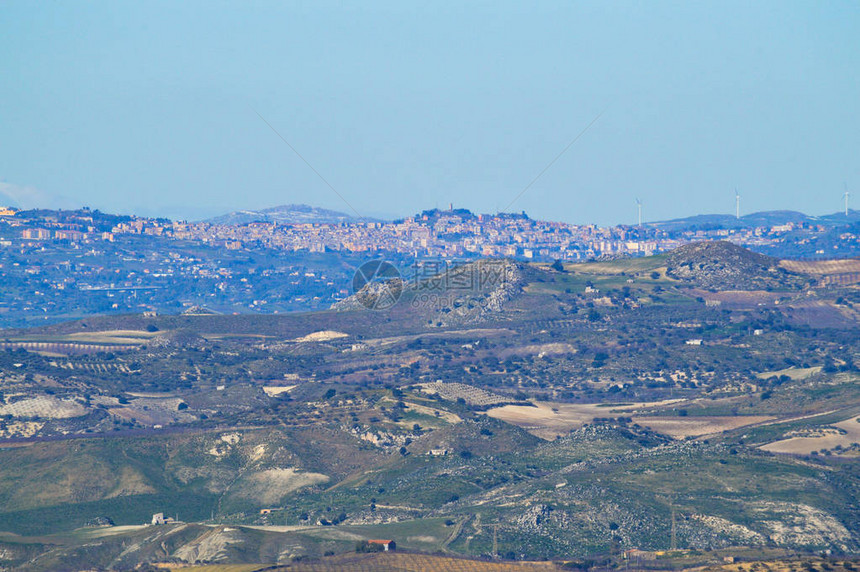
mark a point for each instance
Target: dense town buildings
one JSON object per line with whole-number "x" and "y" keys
{"x": 458, "y": 234}
{"x": 66, "y": 264}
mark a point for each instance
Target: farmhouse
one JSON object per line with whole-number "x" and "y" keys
{"x": 159, "y": 518}
{"x": 635, "y": 553}
{"x": 385, "y": 544}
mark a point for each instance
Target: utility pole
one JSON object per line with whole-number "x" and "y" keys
{"x": 496, "y": 541}
{"x": 674, "y": 540}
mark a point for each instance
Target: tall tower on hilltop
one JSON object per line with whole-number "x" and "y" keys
{"x": 737, "y": 204}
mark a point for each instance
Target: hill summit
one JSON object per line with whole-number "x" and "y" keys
{"x": 284, "y": 214}
{"x": 722, "y": 265}
{"x": 756, "y": 219}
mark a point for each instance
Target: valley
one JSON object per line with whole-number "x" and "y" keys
{"x": 566, "y": 413}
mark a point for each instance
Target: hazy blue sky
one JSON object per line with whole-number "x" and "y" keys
{"x": 149, "y": 107}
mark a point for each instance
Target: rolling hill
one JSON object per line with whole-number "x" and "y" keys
{"x": 284, "y": 214}
{"x": 722, "y": 265}
{"x": 553, "y": 412}
{"x": 757, "y": 219}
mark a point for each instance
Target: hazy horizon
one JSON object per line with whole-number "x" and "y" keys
{"x": 152, "y": 108}
{"x": 392, "y": 217}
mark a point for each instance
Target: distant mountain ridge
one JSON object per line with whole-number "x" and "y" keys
{"x": 302, "y": 213}
{"x": 752, "y": 220}
{"x": 284, "y": 214}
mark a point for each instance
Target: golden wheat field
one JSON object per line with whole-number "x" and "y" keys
{"x": 402, "y": 562}
{"x": 215, "y": 567}
{"x": 800, "y": 565}
{"x": 840, "y": 266}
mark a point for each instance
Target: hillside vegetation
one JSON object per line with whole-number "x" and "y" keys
{"x": 721, "y": 265}
{"x": 703, "y": 399}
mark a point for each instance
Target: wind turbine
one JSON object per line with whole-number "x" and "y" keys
{"x": 639, "y": 208}
{"x": 845, "y": 196}
{"x": 737, "y": 204}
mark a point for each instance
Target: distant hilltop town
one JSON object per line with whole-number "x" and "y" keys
{"x": 60, "y": 265}
{"x": 455, "y": 233}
